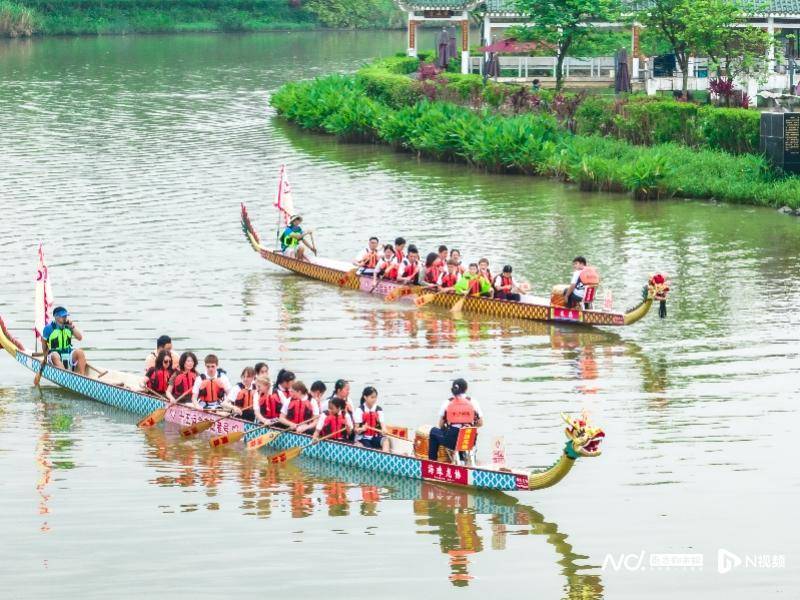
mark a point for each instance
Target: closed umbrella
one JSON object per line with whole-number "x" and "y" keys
{"x": 442, "y": 42}
{"x": 622, "y": 79}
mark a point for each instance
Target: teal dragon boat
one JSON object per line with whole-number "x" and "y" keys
{"x": 121, "y": 390}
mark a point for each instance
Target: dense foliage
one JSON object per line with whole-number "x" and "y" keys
{"x": 126, "y": 16}
{"x": 535, "y": 143}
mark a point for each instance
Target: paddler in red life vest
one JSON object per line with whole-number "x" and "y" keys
{"x": 400, "y": 249}
{"x": 164, "y": 342}
{"x": 182, "y": 381}
{"x": 299, "y": 413}
{"x": 432, "y": 271}
{"x": 457, "y": 412}
{"x": 368, "y": 258}
{"x": 212, "y": 386}
{"x": 369, "y": 421}
{"x": 455, "y": 255}
{"x": 266, "y": 413}
{"x": 270, "y": 403}
{"x": 341, "y": 391}
{"x": 443, "y": 257}
{"x": 334, "y": 420}
{"x": 385, "y": 264}
{"x": 158, "y": 376}
{"x": 505, "y": 287}
{"x": 448, "y": 280}
{"x": 240, "y": 398}
{"x": 408, "y": 269}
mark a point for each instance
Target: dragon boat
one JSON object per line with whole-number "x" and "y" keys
{"x": 529, "y": 307}
{"x": 121, "y": 390}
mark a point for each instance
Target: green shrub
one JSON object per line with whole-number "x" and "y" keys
{"x": 657, "y": 122}
{"x": 732, "y": 129}
{"x": 595, "y": 116}
{"x": 645, "y": 177}
{"x": 17, "y": 20}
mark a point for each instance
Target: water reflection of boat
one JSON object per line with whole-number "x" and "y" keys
{"x": 339, "y": 273}
{"x": 312, "y": 485}
{"x": 583, "y": 440}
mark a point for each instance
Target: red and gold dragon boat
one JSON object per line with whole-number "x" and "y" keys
{"x": 529, "y": 307}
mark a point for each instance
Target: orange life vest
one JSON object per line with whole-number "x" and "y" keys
{"x": 244, "y": 398}
{"x": 505, "y": 281}
{"x": 589, "y": 276}
{"x": 158, "y": 379}
{"x": 334, "y": 423}
{"x": 475, "y": 286}
{"x": 211, "y": 390}
{"x": 299, "y": 410}
{"x": 398, "y": 254}
{"x": 460, "y": 411}
{"x": 184, "y": 381}
{"x": 371, "y": 420}
{"x": 370, "y": 259}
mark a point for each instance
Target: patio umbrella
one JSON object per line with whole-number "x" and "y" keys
{"x": 441, "y": 49}
{"x": 622, "y": 79}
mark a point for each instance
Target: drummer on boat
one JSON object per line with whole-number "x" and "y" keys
{"x": 57, "y": 342}
{"x": 293, "y": 239}
{"x": 456, "y": 413}
{"x": 164, "y": 342}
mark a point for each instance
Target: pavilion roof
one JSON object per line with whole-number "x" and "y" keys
{"x": 509, "y": 7}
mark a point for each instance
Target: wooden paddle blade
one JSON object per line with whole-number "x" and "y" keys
{"x": 262, "y": 440}
{"x": 196, "y": 428}
{"x": 401, "y": 432}
{"x": 458, "y": 305}
{"x": 424, "y": 299}
{"x": 153, "y": 418}
{"x": 397, "y": 293}
{"x": 344, "y": 279}
{"x": 286, "y": 455}
{"x": 228, "y": 438}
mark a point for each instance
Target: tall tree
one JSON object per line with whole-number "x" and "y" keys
{"x": 707, "y": 28}
{"x": 564, "y": 22}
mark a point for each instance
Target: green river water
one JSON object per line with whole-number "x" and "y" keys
{"x": 128, "y": 158}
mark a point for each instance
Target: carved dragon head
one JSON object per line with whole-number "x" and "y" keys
{"x": 583, "y": 439}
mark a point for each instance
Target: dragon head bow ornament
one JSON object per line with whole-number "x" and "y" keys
{"x": 656, "y": 289}
{"x": 584, "y": 440}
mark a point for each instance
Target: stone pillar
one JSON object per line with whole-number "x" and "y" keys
{"x": 412, "y": 35}
{"x": 635, "y": 52}
{"x": 771, "y": 47}
{"x": 465, "y": 44}
{"x": 487, "y": 37}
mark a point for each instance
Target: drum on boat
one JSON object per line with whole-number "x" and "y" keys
{"x": 421, "y": 440}
{"x": 557, "y": 297}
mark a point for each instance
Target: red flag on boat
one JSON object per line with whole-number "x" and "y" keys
{"x": 284, "y": 202}
{"x": 43, "y": 297}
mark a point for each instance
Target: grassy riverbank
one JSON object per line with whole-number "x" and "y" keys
{"x": 499, "y": 138}
{"x": 74, "y": 17}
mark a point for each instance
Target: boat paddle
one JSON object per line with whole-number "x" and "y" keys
{"x": 292, "y": 453}
{"x": 347, "y": 277}
{"x": 158, "y": 414}
{"x": 424, "y": 299}
{"x": 398, "y": 292}
{"x": 456, "y": 308}
{"x": 235, "y": 436}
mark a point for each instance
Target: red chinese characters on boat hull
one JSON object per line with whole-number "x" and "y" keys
{"x": 565, "y": 314}
{"x": 447, "y": 473}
